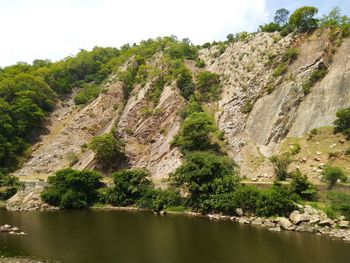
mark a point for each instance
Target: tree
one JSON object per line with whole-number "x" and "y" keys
{"x": 208, "y": 84}
{"x": 195, "y": 132}
{"x": 130, "y": 187}
{"x": 303, "y": 18}
{"x": 301, "y": 186}
{"x": 342, "y": 123}
{"x": 332, "y": 174}
{"x": 210, "y": 180}
{"x": 281, "y": 17}
{"x": 108, "y": 149}
{"x": 280, "y": 164}
{"x": 70, "y": 188}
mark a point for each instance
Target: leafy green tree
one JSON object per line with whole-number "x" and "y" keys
{"x": 108, "y": 149}
{"x": 192, "y": 106}
{"x": 9, "y": 185}
{"x": 71, "y": 189}
{"x": 281, "y": 17}
{"x": 210, "y": 180}
{"x": 303, "y": 18}
{"x": 208, "y": 84}
{"x": 270, "y": 27}
{"x": 280, "y": 165}
{"x": 195, "y": 132}
{"x": 342, "y": 123}
{"x": 332, "y": 174}
{"x": 301, "y": 186}
{"x": 131, "y": 187}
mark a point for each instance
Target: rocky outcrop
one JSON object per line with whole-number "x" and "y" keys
{"x": 28, "y": 201}
{"x": 71, "y": 128}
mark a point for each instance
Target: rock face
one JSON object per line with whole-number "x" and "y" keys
{"x": 70, "y": 129}
{"x": 28, "y": 201}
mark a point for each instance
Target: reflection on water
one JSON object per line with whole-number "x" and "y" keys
{"x": 114, "y": 236}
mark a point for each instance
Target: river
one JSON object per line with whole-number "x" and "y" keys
{"x": 99, "y": 236}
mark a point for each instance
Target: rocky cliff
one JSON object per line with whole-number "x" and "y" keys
{"x": 258, "y": 108}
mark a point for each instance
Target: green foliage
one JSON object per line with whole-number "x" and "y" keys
{"x": 9, "y": 185}
{"x": 73, "y": 158}
{"x": 274, "y": 201}
{"x": 71, "y": 189}
{"x": 130, "y": 187}
{"x": 290, "y": 55}
{"x": 279, "y": 70}
{"x": 331, "y": 174}
{"x": 166, "y": 199}
{"x": 246, "y": 197}
{"x": 184, "y": 82}
{"x": 210, "y": 180}
{"x": 294, "y": 149}
{"x": 108, "y": 150}
{"x": 247, "y": 107}
{"x": 303, "y": 18}
{"x": 301, "y": 186}
{"x": 192, "y": 106}
{"x": 340, "y": 203}
{"x": 208, "y": 84}
{"x": 280, "y": 165}
{"x": 200, "y": 63}
{"x": 270, "y": 27}
{"x": 281, "y": 17}
{"x": 315, "y": 76}
{"x": 87, "y": 94}
{"x": 182, "y": 49}
{"x": 342, "y": 123}
{"x": 336, "y": 21}
{"x": 195, "y": 132}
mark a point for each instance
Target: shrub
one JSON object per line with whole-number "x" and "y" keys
{"x": 195, "y": 132}
{"x": 87, "y": 93}
{"x": 246, "y": 197}
{"x": 192, "y": 106}
{"x": 286, "y": 30}
{"x": 130, "y": 187}
{"x": 294, "y": 149}
{"x": 9, "y": 185}
{"x": 247, "y": 107}
{"x": 184, "y": 82}
{"x": 312, "y": 79}
{"x": 279, "y": 70}
{"x": 301, "y": 186}
{"x": 72, "y": 158}
{"x": 270, "y": 27}
{"x": 108, "y": 149}
{"x": 165, "y": 199}
{"x": 274, "y": 201}
{"x": 340, "y": 202}
{"x": 342, "y": 123}
{"x": 280, "y": 164}
{"x": 70, "y": 188}
{"x": 210, "y": 180}
{"x": 200, "y": 63}
{"x": 290, "y": 55}
{"x": 303, "y": 18}
{"x": 332, "y": 174}
{"x": 208, "y": 84}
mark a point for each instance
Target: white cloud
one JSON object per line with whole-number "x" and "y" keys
{"x": 55, "y": 29}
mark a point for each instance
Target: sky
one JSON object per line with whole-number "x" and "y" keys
{"x": 55, "y": 29}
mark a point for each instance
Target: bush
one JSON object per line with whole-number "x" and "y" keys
{"x": 87, "y": 93}
{"x": 301, "y": 186}
{"x": 280, "y": 164}
{"x": 210, "y": 180}
{"x": 130, "y": 187}
{"x": 208, "y": 84}
{"x": 270, "y": 27}
{"x": 246, "y": 197}
{"x": 332, "y": 174}
{"x": 275, "y": 201}
{"x": 192, "y": 106}
{"x": 200, "y": 63}
{"x": 290, "y": 55}
{"x": 342, "y": 123}
{"x": 165, "y": 199}
{"x": 184, "y": 81}
{"x": 279, "y": 70}
{"x": 303, "y": 18}
{"x": 108, "y": 150}
{"x": 195, "y": 132}
{"x": 70, "y": 188}
{"x": 9, "y": 185}
{"x": 340, "y": 202}
{"x": 247, "y": 107}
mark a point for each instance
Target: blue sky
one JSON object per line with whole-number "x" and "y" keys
{"x": 55, "y": 29}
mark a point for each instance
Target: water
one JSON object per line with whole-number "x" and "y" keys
{"x": 126, "y": 237}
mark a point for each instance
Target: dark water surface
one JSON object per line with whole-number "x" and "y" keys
{"x": 119, "y": 236}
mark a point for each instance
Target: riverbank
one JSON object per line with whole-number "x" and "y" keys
{"x": 306, "y": 219}
{"x": 19, "y": 260}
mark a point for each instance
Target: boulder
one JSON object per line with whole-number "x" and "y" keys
{"x": 243, "y": 220}
{"x": 269, "y": 223}
{"x": 285, "y": 223}
{"x": 275, "y": 229}
{"x": 304, "y": 227}
{"x": 343, "y": 224}
{"x": 326, "y": 222}
{"x": 239, "y": 211}
{"x": 258, "y": 221}
{"x": 296, "y": 217}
